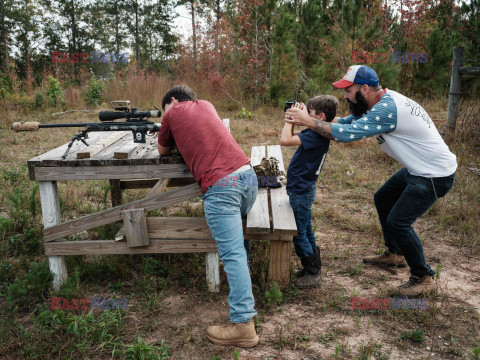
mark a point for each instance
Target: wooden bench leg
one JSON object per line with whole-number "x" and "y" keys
{"x": 280, "y": 257}
{"x": 51, "y": 216}
{"x": 213, "y": 272}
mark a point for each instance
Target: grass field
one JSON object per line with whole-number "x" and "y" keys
{"x": 169, "y": 306}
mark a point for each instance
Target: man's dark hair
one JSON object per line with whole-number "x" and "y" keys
{"x": 179, "y": 92}
{"x": 327, "y": 104}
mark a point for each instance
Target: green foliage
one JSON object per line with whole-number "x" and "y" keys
{"x": 433, "y": 78}
{"x": 108, "y": 268}
{"x": 86, "y": 330}
{"x": 13, "y": 174}
{"x": 54, "y": 93}
{"x": 7, "y": 274}
{"x": 415, "y": 336}
{"x": 143, "y": 351}
{"x": 31, "y": 288}
{"x": 274, "y": 295}
{"x": 22, "y": 206}
{"x": 93, "y": 92}
{"x": 39, "y": 100}
{"x": 244, "y": 114}
{"x": 27, "y": 243}
{"x": 476, "y": 352}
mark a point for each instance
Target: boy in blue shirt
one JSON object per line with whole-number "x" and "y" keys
{"x": 302, "y": 175}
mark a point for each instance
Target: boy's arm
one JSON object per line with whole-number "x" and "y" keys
{"x": 288, "y": 137}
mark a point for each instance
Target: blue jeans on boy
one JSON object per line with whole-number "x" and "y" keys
{"x": 305, "y": 243}
{"x": 225, "y": 203}
{"x": 399, "y": 202}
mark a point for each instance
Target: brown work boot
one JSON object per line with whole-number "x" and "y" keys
{"x": 239, "y": 334}
{"x": 417, "y": 286}
{"x": 386, "y": 259}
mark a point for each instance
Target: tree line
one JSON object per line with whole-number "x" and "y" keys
{"x": 266, "y": 50}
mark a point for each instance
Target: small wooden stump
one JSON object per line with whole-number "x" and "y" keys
{"x": 135, "y": 224}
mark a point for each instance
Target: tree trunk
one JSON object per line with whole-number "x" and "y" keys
{"x": 194, "y": 36}
{"x": 117, "y": 37}
{"x": 74, "y": 38}
{"x": 136, "y": 34}
{"x": 217, "y": 52}
{"x": 3, "y": 32}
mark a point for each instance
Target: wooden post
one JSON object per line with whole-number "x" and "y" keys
{"x": 51, "y": 216}
{"x": 455, "y": 87}
{"x": 213, "y": 272}
{"x": 115, "y": 192}
{"x": 135, "y": 225}
{"x": 280, "y": 256}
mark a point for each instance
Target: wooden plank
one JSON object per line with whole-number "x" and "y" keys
{"x": 109, "y": 151}
{"x": 212, "y": 271}
{"x": 112, "y": 172}
{"x": 470, "y": 70}
{"x": 114, "y": 214}
{"x": 98, "y": 146}
{"x": 51, "y": 216}
{"x": 125, "y": 151}
{"x": 158, "y": 188}
{"x": 115, "y": 192}
{"x": 146, "y": 184}
{"x": 282, "y": 213}
{"x": 135, "y": 225}
{"x": 55, "y": 154}
{"x": 106, "y": 247}
{"x": 455, "y": 88}
{"x": 258, "y": 219}
{"x": 279, "y": 265}
{"x": 178, "y": 228}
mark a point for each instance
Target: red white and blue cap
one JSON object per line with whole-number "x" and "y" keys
{"x": 358, "y": 74}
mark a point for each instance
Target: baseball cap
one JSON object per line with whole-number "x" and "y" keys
{"x": 357, "y": 74}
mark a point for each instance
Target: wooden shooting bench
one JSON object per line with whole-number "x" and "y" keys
{"x": 113, "y": 156}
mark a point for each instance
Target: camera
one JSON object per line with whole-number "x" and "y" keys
{"x": 289, "y": 104}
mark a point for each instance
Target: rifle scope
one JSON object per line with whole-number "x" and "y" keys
{"x": 114, "y": 115}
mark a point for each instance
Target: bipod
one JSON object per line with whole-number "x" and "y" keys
{"x": 78, "y": 137}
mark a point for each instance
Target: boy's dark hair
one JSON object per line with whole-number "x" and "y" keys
{"x": 179, "y": 92}
{"x": 327, "y": 104}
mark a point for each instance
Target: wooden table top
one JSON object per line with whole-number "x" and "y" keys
{"x": 141, "y": 156}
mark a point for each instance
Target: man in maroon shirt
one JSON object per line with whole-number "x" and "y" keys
{"x": 229, "y": 185}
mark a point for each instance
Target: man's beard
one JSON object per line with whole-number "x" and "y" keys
{"x": 360, "y": 107}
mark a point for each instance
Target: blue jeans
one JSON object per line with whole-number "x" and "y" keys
{"x": 304, "y": 242}
{"x": 399, "y": 202}
{"x": 224, "y": 204}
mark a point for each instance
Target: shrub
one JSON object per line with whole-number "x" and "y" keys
{"x": 54, "y": 93}
{"x": 274, "y": 295}
{"x": 93, "y": 92}
{"x": 30, "y": 289}
{"x": 415, "y": 336}
{"x": 39, "y": 100}
{"x": 141, "y": 350}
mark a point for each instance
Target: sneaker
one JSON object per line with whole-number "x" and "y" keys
{"x": 239, "y": 334}
{"x": 308, "y": 281}
{"x": 386, "y": 259}
{"x": 417, "y": 286}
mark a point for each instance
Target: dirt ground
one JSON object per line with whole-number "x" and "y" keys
{"x": 320, "y": 323}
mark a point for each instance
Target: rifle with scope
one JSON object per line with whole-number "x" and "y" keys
{"x": 135, "y": 121}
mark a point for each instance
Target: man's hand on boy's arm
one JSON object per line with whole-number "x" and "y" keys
{"x": 298, "y": 116}
{"x": 288, "y": 137}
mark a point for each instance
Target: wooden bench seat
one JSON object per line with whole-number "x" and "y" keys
{"x": 277, "y": 225}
